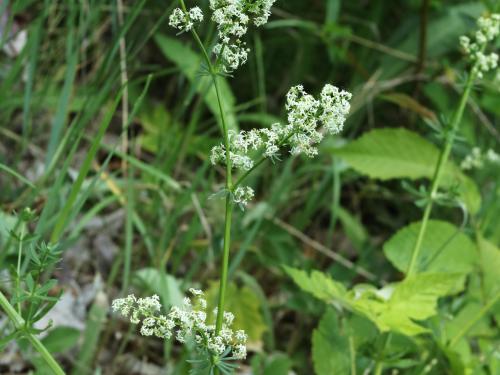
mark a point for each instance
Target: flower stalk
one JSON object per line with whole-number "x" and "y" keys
{"x": 228, "y": 203}
{"x": 488, "y": 31}
{"x": 436, "y": 180}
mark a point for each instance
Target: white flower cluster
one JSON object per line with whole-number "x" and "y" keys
{"x": 476, "y": 159}
{"x": 188, "y": 322}
{"x": 185, "y": 21}
{"x": 489, "y": 29}
{"x": 243, "y": 194}
{"x": 232, "y": 18}
{"x": 302, "y": 134}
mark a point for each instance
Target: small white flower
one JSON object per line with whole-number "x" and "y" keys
{"x": 239, "y": 351}
{"x": 232, "y": 18}
{"x": 335, "y": 108}
{"x": 195, "y": 292}
{"x": 195, "y": 14}
{"x": 185, "y": 21}
{"x": 242, "y": 195}
{"x": 240, "y": 336}
{"x": 183, "y": 323}
{"x": 489, "y": 29}
{"x": 492, "y": 156}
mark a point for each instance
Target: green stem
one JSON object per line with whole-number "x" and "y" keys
{"x": 443, "y": 159}
{"x": 19, "y": 258}
{"x": 19, "y": 324}
{"x": 225, "y": 265}
{"x": 474, "y": 320}
{"x": 229, "y": 183}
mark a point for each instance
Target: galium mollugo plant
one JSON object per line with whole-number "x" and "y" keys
{"x": 308, "y": 120}
{"x": 481, "y": 63}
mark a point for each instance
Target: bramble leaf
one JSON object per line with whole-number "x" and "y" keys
{"x": 330, "y": 349}
{"x": 395, "y": 307}
{"x": 444, "y": 248}
{"x": 399, "y": 153}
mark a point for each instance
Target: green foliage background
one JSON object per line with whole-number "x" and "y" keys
{"x": 349, "y": 215}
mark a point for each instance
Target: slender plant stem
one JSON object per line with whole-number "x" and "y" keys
{"x": 225, "y": 264}
{"x": 229, "y": 184}
{"x": 19, "y": 324}
{"x": 443, "y": 159}
{"x": 474, "y": 320}
{"x": 124, "y": 83}
{"x": 19, "y": 258}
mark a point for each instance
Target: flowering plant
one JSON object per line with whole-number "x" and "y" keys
{"x": 308, "y": 119}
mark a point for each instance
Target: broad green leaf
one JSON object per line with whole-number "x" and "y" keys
{"x": 399, "y": 153}
{"x": 489, "y": 256}
{"x": 396, "y": 307}
{"x": 189, "y": 62}
{"x": 277, "y": 364}
{"x": 467, "y": 314}
{"x": 330, "y": 349}
{"x": 444, "y": 248}
{"x": 391, "y": 153}
{"x": 415, "y": 299}
{"x": 166, "y": 286}
{"x": 245, "y": 305}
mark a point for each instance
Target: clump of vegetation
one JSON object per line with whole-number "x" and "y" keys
{"x": 359, "y": 247}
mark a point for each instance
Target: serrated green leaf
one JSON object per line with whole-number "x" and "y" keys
{"x": 330, "y": 349}
{"x": 489, "y": 256}
{"x": 396, "y": 307}
{"x": 444, "y": 248}
{"x": 399, "y": 153}
{"x": 415, "y": 299}
{"x": 391, "y": 153}
{"x": 318, "y": 284}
